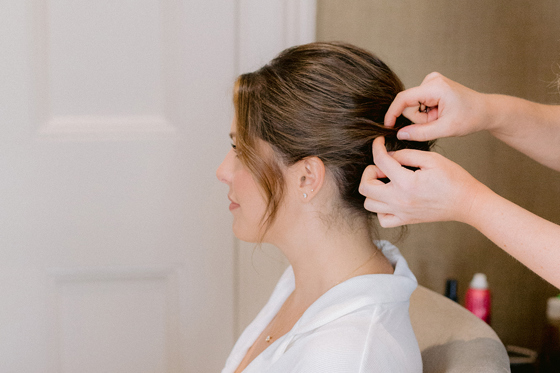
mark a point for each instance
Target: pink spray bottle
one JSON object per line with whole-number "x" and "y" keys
{"x": 477, "y": 299}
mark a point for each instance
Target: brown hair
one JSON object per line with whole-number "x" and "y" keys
{"x": 321, "y": 99}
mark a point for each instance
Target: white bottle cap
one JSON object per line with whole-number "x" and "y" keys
{"x": 553, "y": 308}
{"x": 479, "y": 281}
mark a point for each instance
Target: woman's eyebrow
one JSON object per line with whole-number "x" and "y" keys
{"x": 232, "y": 135}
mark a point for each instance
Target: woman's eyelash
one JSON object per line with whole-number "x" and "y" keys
{"x": 234, "y": 146}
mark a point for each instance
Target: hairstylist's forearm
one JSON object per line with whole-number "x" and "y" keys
{"x": 532, "y": 240}
{"x": 531, "y": 128}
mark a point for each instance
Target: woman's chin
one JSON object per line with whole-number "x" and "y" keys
{"x": 244, "y": 235}
{"x": 252, "y": 231}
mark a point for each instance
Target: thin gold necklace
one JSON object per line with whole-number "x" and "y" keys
{"x": 269, "y": 337}
{"x": 273, "y": 323}
{"x": 357, "y": 269}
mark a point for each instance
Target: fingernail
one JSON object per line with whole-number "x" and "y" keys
{"x": 403, "y": 135}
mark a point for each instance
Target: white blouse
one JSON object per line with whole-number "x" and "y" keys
{"x": 361, "y": 325}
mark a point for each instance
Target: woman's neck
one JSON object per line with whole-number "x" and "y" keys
{"x": 322, "y": 256}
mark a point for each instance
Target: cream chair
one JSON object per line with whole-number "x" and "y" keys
{"x": 453, "y": 340}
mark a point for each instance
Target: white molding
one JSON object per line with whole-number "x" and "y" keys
{"x": 300, "y": 21}
{"x": 90, "y": 128}
{"x": 117, "y": 273}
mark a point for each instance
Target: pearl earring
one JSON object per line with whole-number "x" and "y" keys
{"x": 304, "y": 195}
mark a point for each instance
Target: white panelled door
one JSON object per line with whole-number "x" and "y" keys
{"x": 116, "y": 251}
{"x": 115, "y": 237}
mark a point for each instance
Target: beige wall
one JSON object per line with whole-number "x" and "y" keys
{"x": 500, "y": 46}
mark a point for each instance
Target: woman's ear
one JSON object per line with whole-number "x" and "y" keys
{"x": 311, "y": 176}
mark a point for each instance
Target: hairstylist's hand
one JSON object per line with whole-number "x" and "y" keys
{"x": 439, "y": 191}
{"x": 452, "y": 110}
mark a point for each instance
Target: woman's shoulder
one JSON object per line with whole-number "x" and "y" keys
{"x": 357, "y": 342}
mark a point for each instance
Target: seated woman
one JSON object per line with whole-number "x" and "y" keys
{"x": 302, "y": 135}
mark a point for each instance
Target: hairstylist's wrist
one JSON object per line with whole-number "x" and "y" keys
{"x": 506, "y": 114}
{"x": 493, "y": 117}
{"x": 477, "y": 198}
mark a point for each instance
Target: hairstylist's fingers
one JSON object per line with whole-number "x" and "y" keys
{"x": 420, "y": 117}
{"x": 387, "y": 164}
{"x": 373, "y": 173}
{"x": 374, "y": 189}
{"x": 414, "y": 158}
{"x": 370, "y": 180}
{"x": 376, "y": 206}
{"x": 382, "y": 194}
{"x": 415, "y": 115}
{"x": 432, "y": 76}
{"x": 423, "y": 132}
{"x": 411, "y": 98}
{"x": 389, "y": 220}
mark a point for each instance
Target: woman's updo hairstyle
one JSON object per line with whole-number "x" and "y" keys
{"x": 321, "y": 99}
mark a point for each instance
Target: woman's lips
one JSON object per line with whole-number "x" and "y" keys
{"x": 232, "y": 205}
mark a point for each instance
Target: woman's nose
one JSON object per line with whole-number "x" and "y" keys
{"x": 223, "y": 173}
